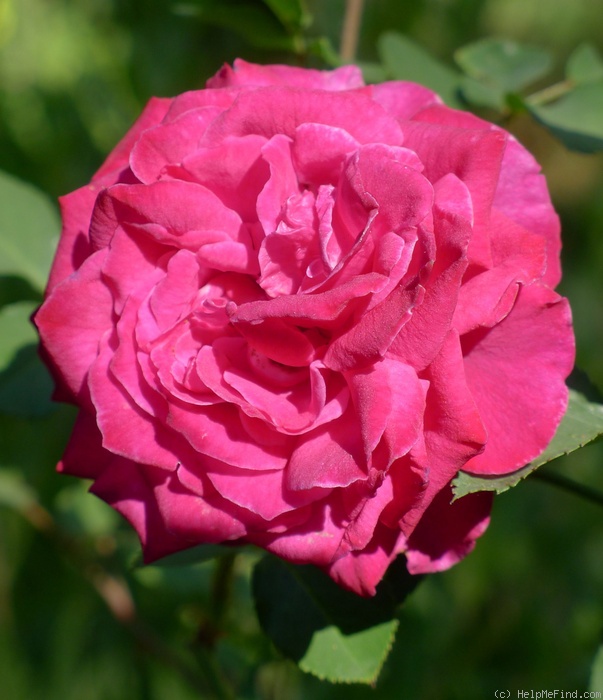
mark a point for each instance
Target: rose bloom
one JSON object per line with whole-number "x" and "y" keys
{"x": 291, "y": 307}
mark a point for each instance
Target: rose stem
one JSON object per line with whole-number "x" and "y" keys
{"x": 569, "y": 485}
{"x": 351, "y": 30}
{"x": 116, "y": 595}
{"x": 210, "y": 629}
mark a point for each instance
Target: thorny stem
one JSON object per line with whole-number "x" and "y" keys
{"x": 350, "y": 30}
{"x": 116, "y": 595}
{"x": 569, "y": 485}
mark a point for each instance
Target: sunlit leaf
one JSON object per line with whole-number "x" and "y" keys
{"x": 482, "y": 95}
{"x": 330, "y": 632}
{"x": 582, "y": 423}
{"x": 576, "y": 119}
{"x": 502, "y": 63}
{"x": 596, "y": 676}
{"x": 405, "y": 60}
{"x": 29, "y": 229}
{"x": 585, "y": 65}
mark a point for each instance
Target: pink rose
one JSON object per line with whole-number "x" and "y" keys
{"x": 291, "y": 308}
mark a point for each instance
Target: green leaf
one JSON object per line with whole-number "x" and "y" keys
{"x": 585, "y": 65}
{"x": 291, "y": 13}
{"x": 576, "y": 119}
{"x": 29, "y": 228}
{"x": 330, "y": 632}
{"x": 503, "y": 64}
{"x": 25, "y": 385}
{"x": 16, "y": 330}
{"x": 372, "y": 72}
{"x": 596, "y": 675}
{"x": 405, "y": 60}
{"x": 481, "y": 95}
{"x": 254, "y": 23}
{"x": 582, "y": 423}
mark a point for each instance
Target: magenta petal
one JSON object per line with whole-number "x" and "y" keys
{"x": 281, "y": 185}
{"x": 169, "y": 143}
{"x": 474, "y": 156}
{"x": 310, "y": 309}
{"x": 361, "y": 571}
{"x": 389, "y": 179}
{"x": 244, "y": 74}
{"x": 516, "y": 372}
{"x": 389, "y": 400}
{"x": 261, "y": 492}
{"x": 233, "y": 170}
{"x": 319, "y": 152}
{"x": 313, "y": 542}
{"x": 331, "y": 456}
{"x": 73, "y": 320}
{"x": 173, "y": 297}
{"x": 369, "y": 340}
{"x": 402, "y": 99}
{"x": 216, "y": 431}
{"x": 197, "y": 516}
{"x": 129, "y": 488}
{"x": 447, "y": 531}
{"x": 420, "y": 339}
{"x": 127, "y": 429}
{"x": 180, "y": 214}
{"x": 84, "y": 455}
{"x": 453, "y": 429}
{"x": 280, "y": 110}
{"x": 74, "y": 244}
{"x": 519, "y": 257}
{"x": 522, "y": 195}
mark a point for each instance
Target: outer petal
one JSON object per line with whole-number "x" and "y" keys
{"x": 402, "y": 99}
{"x": 447, "y": 531}
{"x": 245, "y": 74}
{"x": 516, "y": 372}
{"x": 361, "y": 571}
{"x": 523, "y": 196}
{"x": 72, "y": 322}
{"x": 453, "y": 433}
{"x": 278, "y": 110}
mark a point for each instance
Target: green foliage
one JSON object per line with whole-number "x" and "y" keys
{"x": 496, "y": 68}
{"x": 502, "y": 63}
{"x": 403, "y": 59}
{"x": 582, "y": 423}
{"x": 576, "y": 119}
{"x": 329, "y": 632}
{"x": 29, "y": 230}
{"x": 596, "y": 679}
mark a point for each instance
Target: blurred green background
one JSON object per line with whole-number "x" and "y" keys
{"x": 523, "y": 612}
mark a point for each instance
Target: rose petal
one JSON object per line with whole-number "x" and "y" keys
{"x": 447, "y": 531}
{"x": 245, "y": 74}
{"x": 520, "y": 363}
